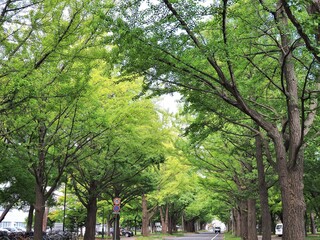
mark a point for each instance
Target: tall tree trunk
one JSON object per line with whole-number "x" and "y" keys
{"x": 164, "y": 218}
{"x": 233, "y": 222}
{"x": 110, "y": 221}
{"x": 40, "y": 184}
{"x": 90, "y": 222}
{"x": 145, "y": 217}
{"x": 30, "y": 218}
{"x": 39, "y": 212}
{"x": 252, "y": 221}
{"x": 237, "y": 222}
{"x": 313, "y": 228}
{"x": 167, "y": 217}
{"x": 290, "y": 155}
{"x": 244, "y": 219}
{"x": 189, "y": 226}
{"x": 263, "y": 191}
{"x": 170, "y": 224}
{"x": 182, "y": 221}
{"x": 45, "y": 219}
{"x": 6, "y": 210}
{"x": 293, "y": 205}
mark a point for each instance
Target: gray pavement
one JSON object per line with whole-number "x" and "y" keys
{"x": 188, "y": 236}
{"x": 196, "y": 236}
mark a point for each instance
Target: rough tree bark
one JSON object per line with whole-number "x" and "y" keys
{"x": 164, "y": 218}
{"x": 90, "y": 223}
{"x": 313, "y": 228}
{"x": 238, "y": 222}
{"x": 6, "y": 210}
{"x": 244, "y": 219}
{"x": 30, "y": 218}
{"x": 290, "y": 159}
{"x": 39, "y": 207}
{"x": 40, "y": 179}
{"x": 252, "y": 220}
{"x": 263, "y": 190}
{"x": 145, "y": 217}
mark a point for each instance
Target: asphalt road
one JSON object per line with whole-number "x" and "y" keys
{"x": 198, "y": 236}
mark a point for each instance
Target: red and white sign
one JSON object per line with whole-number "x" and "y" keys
{"x": 116, "y": 201}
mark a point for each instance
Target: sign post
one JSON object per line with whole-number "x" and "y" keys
{"x": 116, "y": 211}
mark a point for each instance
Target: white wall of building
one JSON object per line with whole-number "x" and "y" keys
{"x": 14, "y": 218}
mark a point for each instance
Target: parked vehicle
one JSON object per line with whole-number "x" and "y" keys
{"x": 123, "y": 232}
{"x": 126, "y": 233}
{"x": 279, "y": 229}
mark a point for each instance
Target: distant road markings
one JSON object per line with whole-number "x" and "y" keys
{"x": 215, "y": 236}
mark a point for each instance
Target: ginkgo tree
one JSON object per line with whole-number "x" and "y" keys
{"x": 48, "y": 50}
{"x": 130, "y": 140}
{"x": 177, "y": 188}
{"x": 227, "y": 155}
{"x": 259, "y": 57}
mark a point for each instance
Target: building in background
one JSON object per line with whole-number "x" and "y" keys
{"x": 14, "y": 218}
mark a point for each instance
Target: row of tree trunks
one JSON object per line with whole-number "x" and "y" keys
{"x": 189, "y": 226}
{"x": 164, "y": 216}
{"x": 244, "y": 220}
{"x": 146, "y": 215}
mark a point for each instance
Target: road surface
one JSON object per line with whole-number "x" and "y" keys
{"x": 198, "y": 236}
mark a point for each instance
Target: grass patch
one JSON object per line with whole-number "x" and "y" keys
{"x": 151, "y": 237}
{"x": 158, "y": 236}
{"x": 228, "y": 236}
{"x": 313, "y": 237}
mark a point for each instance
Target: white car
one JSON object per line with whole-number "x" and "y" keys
{"x": 279, "y": 229}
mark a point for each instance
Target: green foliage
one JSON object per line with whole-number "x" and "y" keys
{"x": 75, "y": 213}
{"x": 128, "y": 141}
{"x": 64, "y": 104}
{"x": 224, "y": 60}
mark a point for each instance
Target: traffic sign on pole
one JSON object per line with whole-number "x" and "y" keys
{"x": 116, "y": 206}
{"x": 116, "y": 201}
